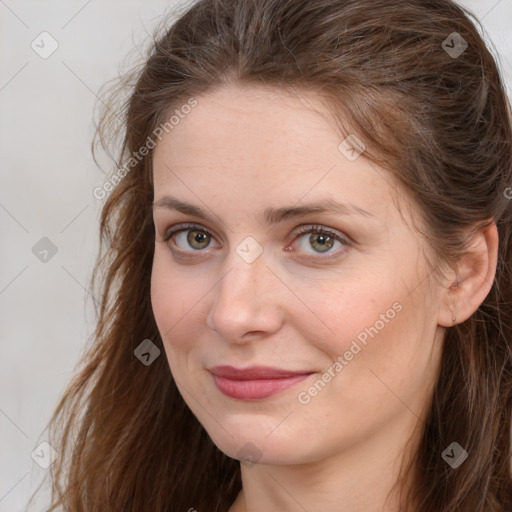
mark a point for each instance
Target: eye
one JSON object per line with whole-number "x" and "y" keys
{"x": 193, "y": 235}
{"x": 191, "y": 238}
{"x": 321, "y": 240}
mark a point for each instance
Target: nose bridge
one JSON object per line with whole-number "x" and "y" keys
{"x": 248, "y": 264}
{"x": 243, "y": 299}
{"x": 245, "y": 282}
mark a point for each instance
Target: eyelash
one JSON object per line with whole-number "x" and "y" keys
{"x": 301, "y": 231}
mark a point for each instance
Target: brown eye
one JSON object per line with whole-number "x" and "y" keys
{"x": 321, "y": 240}
{"x": 197, "y": 237}
{"x": 189, "y": 238}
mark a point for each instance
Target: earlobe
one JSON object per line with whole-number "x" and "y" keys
{"x": 470, "y": 283}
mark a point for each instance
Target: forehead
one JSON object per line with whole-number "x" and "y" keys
{"x": 254, "y": 147}
{"x": 235, "y": 121}
{"x": 252, "y": 124}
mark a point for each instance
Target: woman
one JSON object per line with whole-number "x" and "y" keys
{"x": 306, "y": 279}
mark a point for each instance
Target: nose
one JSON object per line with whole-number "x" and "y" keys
{"x": 247, "y": 301}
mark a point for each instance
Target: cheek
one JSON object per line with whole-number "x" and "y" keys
{"x": 171, "y": 299}
{"x": 382, "y": 345}
{"x": 368, "y": 324}
{"x": 177, "y": 297}
{"x": 352, "y": 308}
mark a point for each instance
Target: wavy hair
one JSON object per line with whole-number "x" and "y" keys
{"x": 438, "y": 121}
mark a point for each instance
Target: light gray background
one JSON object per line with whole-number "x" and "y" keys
{"x": 47, "y": 178}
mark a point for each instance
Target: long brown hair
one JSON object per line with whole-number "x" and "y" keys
{"x": 430, "y": 110}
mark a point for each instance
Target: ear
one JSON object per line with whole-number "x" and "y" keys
{"x": 467, "y": 287}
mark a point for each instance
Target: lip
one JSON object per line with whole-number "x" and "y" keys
{"x": 256, "y": 382}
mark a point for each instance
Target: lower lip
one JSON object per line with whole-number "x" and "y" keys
{"x": 256, "y": 389}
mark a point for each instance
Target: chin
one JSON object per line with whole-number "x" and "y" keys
{"x": 253, "y": 446}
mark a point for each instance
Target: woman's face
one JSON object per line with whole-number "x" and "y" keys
{"x": 351, "y": 307}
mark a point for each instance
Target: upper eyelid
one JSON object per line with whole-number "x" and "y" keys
{"x": 192, "y": 225}
{"x": 184, "y": 226}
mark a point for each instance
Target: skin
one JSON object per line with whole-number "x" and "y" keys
{"x": 239, "y": 151}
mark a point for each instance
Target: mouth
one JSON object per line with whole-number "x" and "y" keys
{"x": 255, "y": 383}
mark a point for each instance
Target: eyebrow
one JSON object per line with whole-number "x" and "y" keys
{"x": 270, "y": 215}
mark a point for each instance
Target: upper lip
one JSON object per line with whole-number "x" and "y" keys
{"x": 255, "y": 372}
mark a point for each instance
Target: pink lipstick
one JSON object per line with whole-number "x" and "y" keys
{"x": 256, "y": 382}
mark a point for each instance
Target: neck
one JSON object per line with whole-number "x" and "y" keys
{"x": 359, "y": 477}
